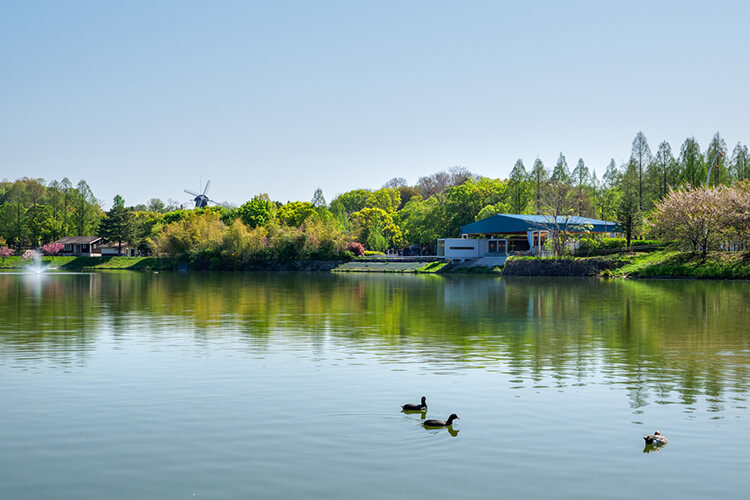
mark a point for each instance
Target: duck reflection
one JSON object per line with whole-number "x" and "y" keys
{"x": 649, "y": 448}
{"x": 422, "y": 413}
{"x": 434, "y": 430}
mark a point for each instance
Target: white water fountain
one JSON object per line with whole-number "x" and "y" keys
{"x": 35, "y": 266}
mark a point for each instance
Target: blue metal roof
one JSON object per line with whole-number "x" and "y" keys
{"x": 517, "y": 223}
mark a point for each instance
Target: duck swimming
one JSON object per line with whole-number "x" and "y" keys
{"x": 440, "y": 423}
{"x": 655, "y": 439}
{"x": 416, "y": 407}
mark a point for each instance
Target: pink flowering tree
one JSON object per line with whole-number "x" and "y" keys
{"x": 740, "y": 211}
{"x": 700, "y": 218}
{"x": 5, "y": 252}
{"x": 28, "y": 255}
{"x": 52, "y": 248}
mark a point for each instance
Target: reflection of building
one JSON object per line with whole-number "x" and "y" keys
{"x": 81, "y": 246}
{"x": 507, "y": 234}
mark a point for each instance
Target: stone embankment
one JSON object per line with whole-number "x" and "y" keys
{"x": 559, "y": 267}
{"x": 299, "y": 265}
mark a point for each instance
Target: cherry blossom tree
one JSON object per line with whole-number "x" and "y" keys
{"x": 5, "y": 252}
{"x": 700, "y": 217}
{"x": 52, "y": 248}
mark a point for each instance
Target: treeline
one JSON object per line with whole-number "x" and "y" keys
{"x": 396, "y": 216}
{"x": 33, "y": 212}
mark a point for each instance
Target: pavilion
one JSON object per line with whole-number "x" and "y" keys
{"x": 503, "y": 234}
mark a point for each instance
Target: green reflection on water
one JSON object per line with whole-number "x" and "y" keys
{"x": 661, "y": 341}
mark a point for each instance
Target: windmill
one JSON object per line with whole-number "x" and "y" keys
{"x": 201, "y": 200}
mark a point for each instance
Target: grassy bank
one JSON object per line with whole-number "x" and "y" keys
{"x": 659, "y": 264}
{"x": 675, "y": 264}
{"x": 93, "y": 263}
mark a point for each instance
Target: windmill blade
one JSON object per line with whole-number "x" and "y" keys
{"x": 208, "y": 185}
{"x": 191, "y": 192}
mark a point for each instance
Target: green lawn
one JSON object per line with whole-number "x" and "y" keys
{"x": 673, "y": 263}
{"x": 80, "y": 263}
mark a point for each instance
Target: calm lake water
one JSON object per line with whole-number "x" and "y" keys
{"x": 136, "y": 385}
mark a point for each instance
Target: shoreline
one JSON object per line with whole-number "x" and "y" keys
{"x": 664, "y": 264}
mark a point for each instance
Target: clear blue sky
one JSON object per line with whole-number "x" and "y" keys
{"x": 143, "y": 98}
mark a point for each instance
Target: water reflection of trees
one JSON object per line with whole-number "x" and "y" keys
{"x": 659, "y": 339}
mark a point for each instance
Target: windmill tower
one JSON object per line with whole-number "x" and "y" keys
{"x": 201, "y": 199}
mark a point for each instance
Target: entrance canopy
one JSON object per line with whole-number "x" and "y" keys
{"x": 517, "y": 223}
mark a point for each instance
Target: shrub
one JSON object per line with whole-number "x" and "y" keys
{"x": 356, "y": 248}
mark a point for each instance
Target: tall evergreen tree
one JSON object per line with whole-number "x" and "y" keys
{"x": 717, "y": 152}
{"x": 538, "y": 178}
{"x": 640, "y": 155}
{"x": 740, "y": 162}
{"x": 561, "y": 173}
{"x": 37, "y": 213}
{"x": 581, "y": 175}
{"x": 628, "y": 211}
{"x": 518, "y": 188}
{"x": 67, "y": 203}
{"x": 611, "y": 176}
{"x": 13, "y": 224}
{"x": 85, "y": 210}
{"x": 118, "y": 224}
{"x": 691, "y": 163}
{"x": 318, "y": 200}
{"x": 663, "y": 170}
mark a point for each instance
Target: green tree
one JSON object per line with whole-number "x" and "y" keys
{"x": 581, "y": 176}
{"x": 55, "y": 203}
{"x": 37, "y": 213}
{"x": 376, "y": 220}
{"x": 640, "y": 156}
{"x": 352, "y": 201}
{"x": 13, "y": 215}
{"x": 66, "y": 187}
{"x": 692, "y": 165}
{"x": 741, "y": 162}
{"x": 388, "y": 199}
{"x": 518, "y": 188}
{"x": 423, "y": 221}
{"x": 408, "y": 193}
{"x": 663, "y": 172}
{"x": 717, "y": 149}
{"x": 258, "y": 212}
{"x": 611, "y": 176}
{"x": 295, "y": 213}
{"x": 86, "y": 211}
{"x": 628, "y": 210}
{"x": 118, "y": 223}
{"x": 156, "y": 205}
{"x": 561, "y": 173}
{"x": 538, "y": 178}
{"x": 464, "y": 202}
{"x": 318, "y": 201}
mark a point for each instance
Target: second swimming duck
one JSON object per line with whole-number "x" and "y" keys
{"x": 440, "y": 423}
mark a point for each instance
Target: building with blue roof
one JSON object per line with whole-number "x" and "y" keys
{"x": 504, "y": 234}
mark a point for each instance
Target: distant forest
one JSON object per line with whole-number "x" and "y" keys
{"x": 396, "y": 216}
